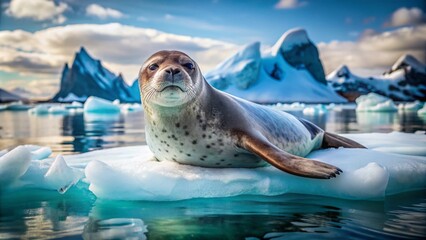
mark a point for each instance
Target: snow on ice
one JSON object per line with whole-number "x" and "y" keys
{"x": 394, "y": 163}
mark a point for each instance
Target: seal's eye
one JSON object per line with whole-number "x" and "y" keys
{"x": 153, "y": 67}
{"x": 189, "y": 65}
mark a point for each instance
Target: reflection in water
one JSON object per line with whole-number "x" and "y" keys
{"x": 46, "y": 215}
{"x": 78, "y": 132}
{"x": 385, "y": 121}
{"x": 411, "y": 122}
{"x": 377, "y": 120}
{"x": 79, "y": 214}
{"x": 74, "y": 133}
{"x": 343, "y": 121}
{"x": 115, "y": 228}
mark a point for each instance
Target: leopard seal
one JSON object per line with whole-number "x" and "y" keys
{"x": 190, "y": 122}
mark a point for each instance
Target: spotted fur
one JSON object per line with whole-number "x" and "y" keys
{"x": 190, "y": 122}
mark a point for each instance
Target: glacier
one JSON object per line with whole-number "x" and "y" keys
{"x": 404, "y": 81}
{"x": 289, "y": 71}
{"x": 393, "y": 163}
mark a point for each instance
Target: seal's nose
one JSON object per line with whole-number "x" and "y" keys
{"x": 172, "y": 71}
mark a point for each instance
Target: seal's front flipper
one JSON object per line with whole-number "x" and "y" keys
{"x": 284, "y": 161}
{"x": 331, "y": 140}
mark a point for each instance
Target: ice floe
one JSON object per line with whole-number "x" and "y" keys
{"x": 315, "y": 110}
{"x": 394, "y": 163}
{"x": 422, "y": 111}
{"x": 410, "y": 106}
{"x": 373, "y": 102}
{"x": 99, "y": 105}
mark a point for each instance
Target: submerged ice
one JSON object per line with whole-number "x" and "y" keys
{"x": 394, "y": 163}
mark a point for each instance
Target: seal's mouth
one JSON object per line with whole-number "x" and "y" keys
{"x": 171, "y": 87}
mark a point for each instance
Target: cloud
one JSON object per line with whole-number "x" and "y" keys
{"x": 289, "y": 4}
{"x": 39, "y": 10}
{"x": 28, "y": 63}
{"x": 373, "y": 50}
{"x": 123, "y": 48}
{"x": 406, "y": 16}
{"x": 102, "y": 13}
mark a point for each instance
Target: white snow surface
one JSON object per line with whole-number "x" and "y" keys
{"x": 393, "y": 163}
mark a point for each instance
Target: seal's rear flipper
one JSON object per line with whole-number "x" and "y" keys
{"x": 284, "y": 161}
{"x": 331, "y": 140}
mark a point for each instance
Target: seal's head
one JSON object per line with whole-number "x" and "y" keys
{"x": 169, "y": 79}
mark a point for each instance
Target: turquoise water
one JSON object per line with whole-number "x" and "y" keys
{"x": 78, "y": 214}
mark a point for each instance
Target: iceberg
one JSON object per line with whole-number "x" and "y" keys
{"x": 290, "y": 71}
{"x": 58, "y": 110}
{"x": 18, "y": 106}
{"x": 373, "y": 102}
{"x": 242, "y": 69}
{"x": 410, "y": 106}
{"x": 422, "y": 111}
{"x": 99, "y": 105}
{"x": 71, "y": 97}
{"x": 131, "y": 107}
{"x": 393, "y": 163}
{"x": 88, "y": 77}
{"x": 74, "y": 105}
{"x": 318, "y": 109}
{"x": 39, "y": 110}
{"x": 44, "y": 109}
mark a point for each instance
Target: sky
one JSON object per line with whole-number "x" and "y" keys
{"x": 38, "y": 37}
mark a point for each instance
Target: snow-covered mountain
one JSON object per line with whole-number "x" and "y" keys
{"x": 28, "y": 94}
{"x": 22, "y": 92}
{"x": 290, "y": 71}
{"x": 87, "y": 77}
{"x": 6, "y": 96}
{"x": 405, "y": 81}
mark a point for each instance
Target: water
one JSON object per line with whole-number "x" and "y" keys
{"x": 78, "y": 214}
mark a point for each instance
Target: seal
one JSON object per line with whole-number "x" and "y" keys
{"x": 190, "y": 122}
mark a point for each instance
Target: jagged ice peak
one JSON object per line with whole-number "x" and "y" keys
{"x": 295, "y": 36}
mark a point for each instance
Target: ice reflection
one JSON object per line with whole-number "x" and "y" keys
{"x": 377, "y": 121}
{"x": 115, "y": 228}
{"x": 72, "y": 133}
{"x": 81, "y": 132}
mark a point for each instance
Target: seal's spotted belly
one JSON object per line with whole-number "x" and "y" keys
{"x": 198, "y": 145}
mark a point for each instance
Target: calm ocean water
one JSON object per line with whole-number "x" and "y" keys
{"x": 78, "y": 214}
